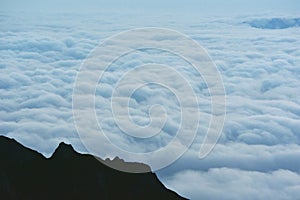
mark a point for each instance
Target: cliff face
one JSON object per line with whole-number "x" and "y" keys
{"x": 26, "y": 174}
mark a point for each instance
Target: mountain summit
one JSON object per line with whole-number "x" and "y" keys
{"x": 64, "y": 151}
{"x": 27, "y": 174}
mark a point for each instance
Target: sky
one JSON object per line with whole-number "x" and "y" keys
{"x": 254, "y": 46}
{"x": 217, "y": 7}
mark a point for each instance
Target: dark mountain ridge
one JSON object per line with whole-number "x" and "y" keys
{"x": 27, "y": 174}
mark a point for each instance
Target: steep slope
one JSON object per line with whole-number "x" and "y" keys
{"x": 26, "y": 174}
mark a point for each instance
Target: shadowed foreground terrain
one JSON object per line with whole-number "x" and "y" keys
{"x": 27, "y": 174}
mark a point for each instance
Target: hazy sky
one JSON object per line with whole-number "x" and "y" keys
{"x": 213, "y": 6}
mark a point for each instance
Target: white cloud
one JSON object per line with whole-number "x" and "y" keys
{"x": 257, "y": 155}
{"x": 226, "y": 183}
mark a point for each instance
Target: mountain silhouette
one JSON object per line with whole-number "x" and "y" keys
{"x": 27, "y": 174}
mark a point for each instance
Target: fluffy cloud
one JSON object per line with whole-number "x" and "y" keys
{"x": 275, "y": 23}
{"x": 257, "y": 155}
{"x": 242, "y": 156}
{"x": 227, "y": 183}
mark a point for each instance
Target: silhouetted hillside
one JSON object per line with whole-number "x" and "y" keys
{"x": 26, "y": 174}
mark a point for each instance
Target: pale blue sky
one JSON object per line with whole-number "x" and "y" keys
{"x": 207, "y": 6}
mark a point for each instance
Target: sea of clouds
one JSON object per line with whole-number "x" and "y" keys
{"x": 257, "y": 156}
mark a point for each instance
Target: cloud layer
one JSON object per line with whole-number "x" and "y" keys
{"x": 226, "y": 183}
{"x": 257, "y": 156}
{"x": 275, "y": 23}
